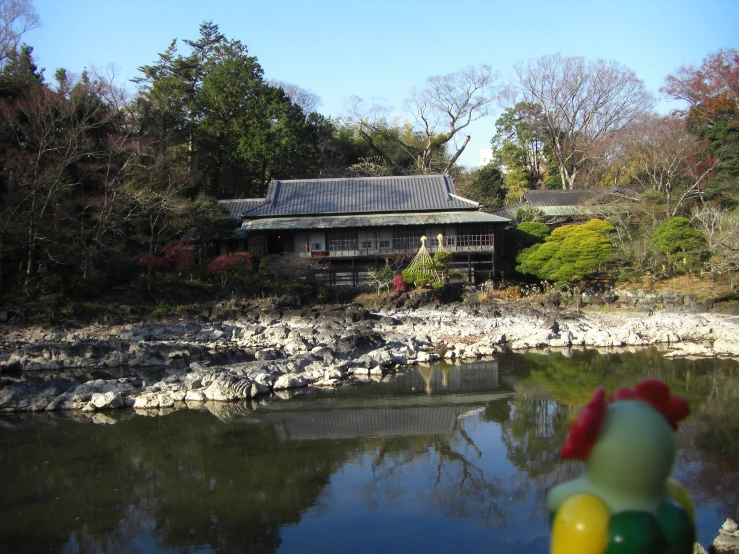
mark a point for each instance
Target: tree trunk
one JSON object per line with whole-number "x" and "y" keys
{"x": 30, "y": 269}
{"x": 456, "y": 156}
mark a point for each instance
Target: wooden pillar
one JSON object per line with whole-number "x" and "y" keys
{"x": 492, "y": 273}
{"x": 354, "y": 275}
{"x": 469, "y": 267}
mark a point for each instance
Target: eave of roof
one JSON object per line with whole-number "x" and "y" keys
{"x": 371, "y": 220}
{"x": 565, "y": 211}
{"x": 582, "y": 210}
{"x": 237, "y": 206}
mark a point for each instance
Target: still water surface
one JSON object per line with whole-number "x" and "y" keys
{"x": 435, "y": 460}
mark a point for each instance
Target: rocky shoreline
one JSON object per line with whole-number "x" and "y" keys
{"x": 267, "y": 348}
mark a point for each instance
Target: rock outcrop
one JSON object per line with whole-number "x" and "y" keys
{"x": 272, "y": 350}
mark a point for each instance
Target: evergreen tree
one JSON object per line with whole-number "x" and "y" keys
{"x": 20, "y": 72}
{"x": 213, "y": 113}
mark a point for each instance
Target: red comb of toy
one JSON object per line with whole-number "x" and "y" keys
{"x": 673, "y": 407}
{"x": 656, "y": 393}
{"x": 584, "y": 432}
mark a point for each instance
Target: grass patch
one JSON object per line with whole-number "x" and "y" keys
{"x": 174, "y": 309}
{"x": 369, "y": 299}
{"x": 684, "y": 284}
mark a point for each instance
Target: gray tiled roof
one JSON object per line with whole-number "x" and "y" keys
{"x": 569, "y": 197}
{"x": 509, "y": 212}
{"x": 234, "y": 208}
{"x": 415, "y": 193}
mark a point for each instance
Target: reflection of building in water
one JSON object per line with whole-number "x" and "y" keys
{"x": 374, "y": 416}
{"x": 345, "y": 424}
{"x": 452, "y": 391}
{"x": 470, "y": 377}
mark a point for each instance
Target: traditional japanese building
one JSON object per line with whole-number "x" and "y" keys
{"x": 354, "y": 223}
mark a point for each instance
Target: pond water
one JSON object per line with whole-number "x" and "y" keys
{"x": 448, "y": 458}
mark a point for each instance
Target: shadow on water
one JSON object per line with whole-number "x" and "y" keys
{"x": 436, "y": 458}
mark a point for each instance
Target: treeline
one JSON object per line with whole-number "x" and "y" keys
{"x": 93, "y": 179}
{"x": 98, "y": 186}
{"x": 579, "y": 124}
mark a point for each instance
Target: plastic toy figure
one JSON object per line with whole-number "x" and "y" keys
{"x": 625, "y": 502}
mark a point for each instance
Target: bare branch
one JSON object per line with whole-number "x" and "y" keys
{"x": 16, "y": 18}
{"x": 306, "y": 99}
{"x": 670, "y": 159}
{"x": 582, "y": 102}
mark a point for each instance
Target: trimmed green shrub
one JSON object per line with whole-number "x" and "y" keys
{"x": 681, "y": 242}
{"x": 530, "y": 233}
{"x": 569, "y": 253}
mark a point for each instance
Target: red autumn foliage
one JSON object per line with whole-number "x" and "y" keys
{"x": 177, "y": 254}
{"x": 221, "y": 265}
{"x": 152, "y": 261}
{"x": 400, "y": 284}
{"x": 709, "y": 89}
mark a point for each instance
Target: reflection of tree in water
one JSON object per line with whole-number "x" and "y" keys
{"x": 572, "y": 378}
{"x": 462, "y": 484}
{"x": 186, "y": 479}
{"x": 535, "y": 431}
{"x": 533, "y": 435}
{"x": 459, "y": 485}
{"x": 715, "y": 478}
{"x": 465, "y": 489}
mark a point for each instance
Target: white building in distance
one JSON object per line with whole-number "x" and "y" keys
{"x": 486, "y": 156}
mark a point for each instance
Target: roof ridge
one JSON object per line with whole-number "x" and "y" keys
{"x": 378, "y": 178}
{"x": 260, "y": 199}
{"x": 463, "y": 199}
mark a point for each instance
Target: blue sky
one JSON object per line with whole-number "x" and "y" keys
{"x": 339, "y": 49}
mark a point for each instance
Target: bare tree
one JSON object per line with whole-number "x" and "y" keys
{"x": 52, "y": 134}
{"x": 306, "y": 99}
{"x": 610, "y": 164}
{"x": 583, "y": 102}
{"x": 441, "y": 111}
{"x": 671, "y": 160}
{"x": 380, "y": 131}
{"x": 721, "y": 228}
{"x": 448, "y": 104}
{"x": 16, "y": 18}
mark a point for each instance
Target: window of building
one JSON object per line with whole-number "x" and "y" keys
{"x": 474, "y": 235}
{"x": 406, "y": 238}
{"x": 342, "y": 239}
